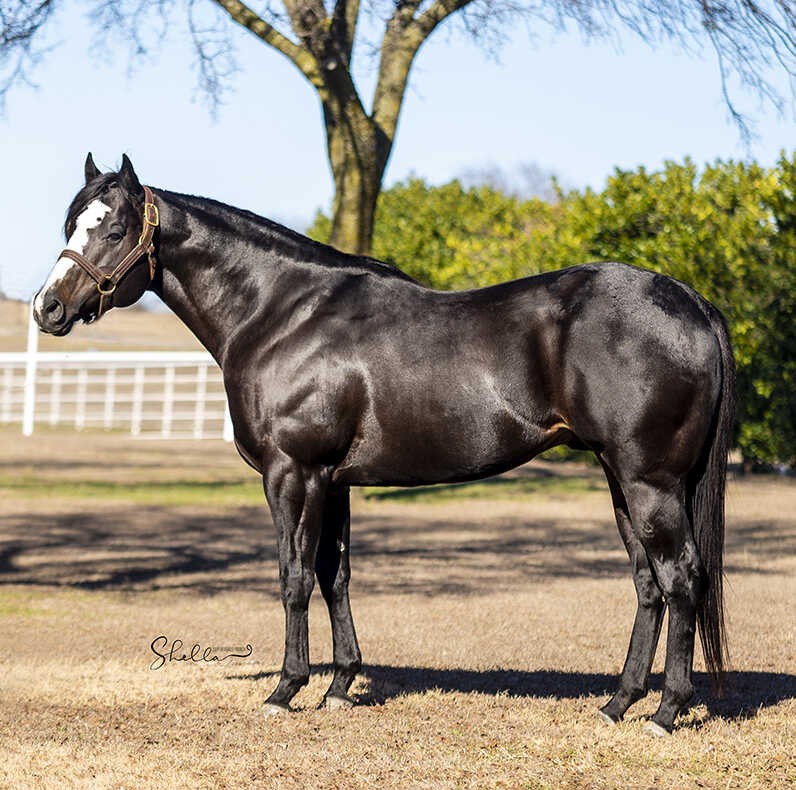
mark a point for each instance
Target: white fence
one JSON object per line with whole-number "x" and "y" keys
{"x": 160, "y": 394}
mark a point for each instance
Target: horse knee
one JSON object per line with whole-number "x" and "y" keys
{"x": 647, "y": 591}
{"x": 297, "y": 588}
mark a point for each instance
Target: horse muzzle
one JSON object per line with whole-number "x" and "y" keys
{"x": 51, "y": 315}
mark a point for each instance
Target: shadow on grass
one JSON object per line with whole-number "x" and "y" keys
{"x": 747, "y": 692}
{"x": 207, "y": 552}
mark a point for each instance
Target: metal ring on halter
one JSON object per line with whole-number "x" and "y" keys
{"x": 151, "y": 209}
{"x": 110, "y": 290}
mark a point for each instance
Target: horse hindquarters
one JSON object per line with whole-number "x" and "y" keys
{"x": 678, "y": 520}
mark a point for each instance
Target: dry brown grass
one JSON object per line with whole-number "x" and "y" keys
{"x": 491, "y": 631}
{"x": 132, "y": 330}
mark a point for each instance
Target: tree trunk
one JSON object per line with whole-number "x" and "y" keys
{"x": 354, "y": 208}
{"x": 358, "y": 154}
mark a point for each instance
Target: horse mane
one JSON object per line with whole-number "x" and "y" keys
{"x": 286, "y": 240}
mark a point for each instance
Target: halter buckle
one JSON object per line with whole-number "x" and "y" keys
{"x": 151, "y": 219}
{"x": 109, "y": 291}
{"x": 151, "y": 214}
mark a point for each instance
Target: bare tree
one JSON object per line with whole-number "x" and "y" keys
{"x": 754, "y": 43}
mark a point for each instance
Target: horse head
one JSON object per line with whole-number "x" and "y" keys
{"x": 109, "y": 230}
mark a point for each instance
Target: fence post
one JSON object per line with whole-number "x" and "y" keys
{"x": 28, "y": 414}
{"x": 80, "y": 397}
{"x": 138, "y": 400}
{"x": 110, "y": 398}
{"x": 8, "y": 384}
{"x": 168, "y": 402}
{"x": 55, "y": 397}
{"x": 229, "y": 431}
{"x": 199, "y": 406}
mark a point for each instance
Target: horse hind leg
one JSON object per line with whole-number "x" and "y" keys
{"x": 333, "y": 569}
{"x": 633, "y": 684}
{"x": 661, "y": 523}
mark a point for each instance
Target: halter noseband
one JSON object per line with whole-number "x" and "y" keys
{"x": 107, "y": 282}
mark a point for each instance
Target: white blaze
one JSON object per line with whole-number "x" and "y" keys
{"x": 89, "y": 218}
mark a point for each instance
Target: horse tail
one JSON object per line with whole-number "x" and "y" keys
{"x": 707, "y": 509}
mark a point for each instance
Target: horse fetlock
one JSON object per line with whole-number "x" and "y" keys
{"x": 297, "y": 682}
{"x": 343, "y": 678}
{"x": 636, "y": 693}
{"x": 616, "y": 707}
{"x": 680, "y": 693}
{"x": 289, "y": 685}
{"x": 351, "y": 667}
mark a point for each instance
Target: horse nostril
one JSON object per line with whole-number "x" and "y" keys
{"x": 54, "y": 311}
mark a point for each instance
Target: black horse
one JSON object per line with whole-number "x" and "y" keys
{"x": 342, "y": 371}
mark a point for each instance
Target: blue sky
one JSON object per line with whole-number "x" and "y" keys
{"x": 578, "y": 110}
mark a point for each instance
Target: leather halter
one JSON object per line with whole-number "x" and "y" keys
{"x": 107, "y": 282}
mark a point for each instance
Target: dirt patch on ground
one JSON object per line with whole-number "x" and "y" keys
{"x": 491, "y": 631}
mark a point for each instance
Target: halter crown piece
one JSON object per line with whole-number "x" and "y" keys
{"x": 107, "y": 282}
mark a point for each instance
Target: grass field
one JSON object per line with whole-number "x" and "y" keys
{"x": 493, "y": 619}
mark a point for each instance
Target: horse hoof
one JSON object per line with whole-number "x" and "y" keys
{"x": 654, "y": 729}
{"x": 271, "y": 709}
{"x": 602, "y": 715}
{"x": 332, "y": 702}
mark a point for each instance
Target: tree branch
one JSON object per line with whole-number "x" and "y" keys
{"x": 436, "y": 13}
{"x": 344, "y": 25}
{"x": 328, "y": 46}
{"x": 403, "y": 37}
{"x": 309, "y": 22}
{"x": 300, "y": 57}
{"x": 20, "y": 23}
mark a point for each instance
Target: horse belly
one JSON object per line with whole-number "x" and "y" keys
{"x": 440, "y": 437}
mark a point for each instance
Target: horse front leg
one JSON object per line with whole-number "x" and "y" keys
{"x": 296, "y": 495}
{"x": 333, "y": 568}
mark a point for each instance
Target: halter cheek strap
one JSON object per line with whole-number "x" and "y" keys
{"x": 107, "y": 282}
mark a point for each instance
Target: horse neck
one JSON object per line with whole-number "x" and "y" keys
{"x": 219, "y": 268}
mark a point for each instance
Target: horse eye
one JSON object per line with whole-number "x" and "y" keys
{"x": 114, "y": 237}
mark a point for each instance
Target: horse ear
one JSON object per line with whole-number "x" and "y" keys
{"x": 128, "y": 178}
{"x": 91, "y": 170}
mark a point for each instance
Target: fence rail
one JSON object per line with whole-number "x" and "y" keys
{"x": 151, "y": 394}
